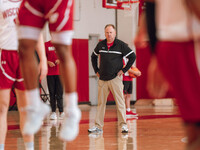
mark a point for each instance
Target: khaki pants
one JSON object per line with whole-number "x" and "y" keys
{"x": 116, "y": 87}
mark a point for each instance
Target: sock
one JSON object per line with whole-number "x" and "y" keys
{"x": 34, "y": 97}
{"x": 128, "y": 109}
{"x": 29, "y": 145}
{"x": 71, "y": 100}
{"x": 1, "y": 146}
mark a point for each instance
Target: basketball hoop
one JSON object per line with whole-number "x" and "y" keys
{"x": 119, "y": 4}
{"x": 126, "y": 4}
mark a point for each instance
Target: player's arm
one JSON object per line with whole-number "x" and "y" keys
{"x": 136, "y": 71}
{"x": 141, "y": 38}
{"x": 151, "y": 24}
{"x": 42, "y": 56}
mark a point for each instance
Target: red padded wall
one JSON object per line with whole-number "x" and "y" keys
{"x": 80, "y": 53}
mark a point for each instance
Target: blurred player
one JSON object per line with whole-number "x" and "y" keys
{"x": 174, "y": 37}
{"x": 32, "y": 16}
{"x": 9, "y": 70}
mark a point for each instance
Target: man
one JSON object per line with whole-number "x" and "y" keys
{"x": 10, "y": 75}
{"x": 33, "y": 14}
{"x": 111, "y": 52}
{"x": 175, "y": 60}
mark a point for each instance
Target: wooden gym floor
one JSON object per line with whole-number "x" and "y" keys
{"x": 157, "y": 128}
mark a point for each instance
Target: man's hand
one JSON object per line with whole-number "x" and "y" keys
{"x": 51, "y": 64}
{"x": 120, "y": 73}
{"x": 97, "y": 74}
{"x": 57, "y": 61}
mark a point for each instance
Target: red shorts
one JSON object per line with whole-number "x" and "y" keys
{"x": 177, "y": 62}
{"x": 35, "y": 13}
{"x": 10, "y": 71}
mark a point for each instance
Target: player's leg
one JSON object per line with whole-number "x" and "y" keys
{"x": 69, "y": 79}
{"x": 128, "y": 100}
{"x": 127, "y": 96}
{"x": 68, "y": 71}
{"x": 68, "y": 76}
{"x": 193, "y": 136}
{"x": 7, "y": 77}
{"x": 30, "y": 22}
{"x": 125, "y": 93}
{"x": 51, "y": 82}
{"x": 30, "y": 72}
{"x": 4, "y": 103}
{"x": 188, "y": 100}
{"x": 59, "y": 96}
{"x": 61, "y": 32}
{"x": 22, "y": 103}
{"x": 28, "y": 63}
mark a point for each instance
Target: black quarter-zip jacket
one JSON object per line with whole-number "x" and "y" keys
{"x": 111, "y": 61}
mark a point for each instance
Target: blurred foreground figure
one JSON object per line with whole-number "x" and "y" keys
{"x": 33, "y": 14}
{"x": 10, "y": 75}
{"x": 174, "y": 34}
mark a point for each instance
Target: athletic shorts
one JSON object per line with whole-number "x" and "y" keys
{"x": 33, "y": 14}
{"x": 178, "y": 64}
{"x": 10, "y": 71}
{"x": 128, "y": 87}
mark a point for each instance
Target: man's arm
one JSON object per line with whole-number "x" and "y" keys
{"x": 94, "y": 59}
{"x": 151, "y": 24}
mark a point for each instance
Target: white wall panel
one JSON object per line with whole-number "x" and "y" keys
{"x": 91, "y": 18}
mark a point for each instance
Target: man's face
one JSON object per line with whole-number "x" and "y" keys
{"x": 110, "y": 34}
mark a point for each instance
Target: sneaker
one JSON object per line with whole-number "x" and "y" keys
{"x": 34, "y": 118}
{"x": 131, "y": 114}
{"x": 53, "y": 116}
{"x": 70, "y": 127}
{"x": 62, "y": 115}
{"x": 95, "y": 130}
{"x": 124, "y": 129}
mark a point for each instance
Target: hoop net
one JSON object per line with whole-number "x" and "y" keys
{"x": 123, "y": 4}
{"x": 128, "y": 6}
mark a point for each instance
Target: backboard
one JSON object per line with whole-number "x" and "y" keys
{"x": 118, "y": 4}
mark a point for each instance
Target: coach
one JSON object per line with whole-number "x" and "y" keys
{"x": 110, "y": 71}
